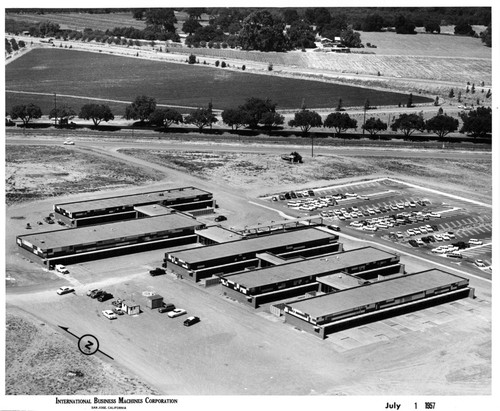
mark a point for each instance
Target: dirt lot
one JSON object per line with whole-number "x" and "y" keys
{"x": 35, "y": 172}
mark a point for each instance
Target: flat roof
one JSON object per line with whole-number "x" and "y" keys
{"x": 311, "y": 266}
{"x": 109, "y": 231}
{"x": 153, "y": 209}
{"x": 132, "y": 199}
{"x": 256, "y": 244}
{"x": 384, "y": 290}
{"x": 340, "y": 281}
{"x": 218, "y": 234}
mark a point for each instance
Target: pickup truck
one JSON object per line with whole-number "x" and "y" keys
{"x": 157, "y": 271}
{"x": 61, "y": 269}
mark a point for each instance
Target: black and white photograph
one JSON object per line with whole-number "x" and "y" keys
{"x": 214, "y": 205}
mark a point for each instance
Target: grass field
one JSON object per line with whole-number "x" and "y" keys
{"x": 120, "y": 78}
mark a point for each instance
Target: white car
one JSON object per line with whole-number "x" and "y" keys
{"x": 65, "y": 290}
{"x": 61, "y": 269}
{"x": 176, "y": 313}
{"x": 438, "y": 237}
{"x": 450, "y": 234}
{"x": 109, "y": 314}
{"x": 475, "y": 241}
{"x": 446, "y": 237}
{"x": 69, "y": 143}
{"x": 480, "y": 263}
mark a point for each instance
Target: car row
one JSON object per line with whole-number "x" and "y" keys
{"x": 294, "y": 194}
{"x": 99, "y": 295}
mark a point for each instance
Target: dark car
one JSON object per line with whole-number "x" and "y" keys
{"x": 293, "y": 195}
{"x": 281, "y": 197}
{"x": 188, "y": 322}
{"x": 333, "y": 227}
{"x": 311, "y": 193}
{"x": 104, "y": 297}
{"x": 220, "y": 218}
{"x": 435, "y": 227}
{"x": 288, "y": 196}
{"x": 96, "y": 293}
{"x": 166, "y": 307}
{"x": 118, "y": 311}
{"x": 413, "y": 243}
{"x": 426, "y": 240}
{"x": 157, "y": 271}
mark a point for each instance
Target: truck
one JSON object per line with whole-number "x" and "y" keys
{"x": 61, "y": 269}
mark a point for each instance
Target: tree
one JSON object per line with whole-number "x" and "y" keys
{"x": 301, "y": 35}
{"x": 161, "y": 20}
{"x": 440, "y": 111}
{"x": 408, "y": 124}
{"x": 432, "y": 27}
{"x": 372, "y": 22}
{"x": 459, "y": 97}
{"x": 26, "y": 112}
{"x": 15, "y": 46}
{"x": 165, "y": 117}
{"x": 141, "y": 108}
{"x": 201, "y": 117}
{"x": 96, "y": 112}
{"x": 305, "y": 119}
{"x": 8, "y": 46}
{"x": 350, "y": 38}
{"x": 272, "y": 119}
{"x": 256, "y": 108}
{"x": 190, "y": 26}
{"x": 192, "y": 59}
{"x": 451, "y": 94}
{"x": 64, "y": 113}
{"x": 441, "y": 125}
{"x": 477, "y": 122}
{"x": 463, "y": 28}
{"x": 235, "y": 118}
{"x": 486, "y": 36}
{"x": 339, "y": 105}
{"x": 374, "y": 125}
{"x": 263, "y": 31}
{"x": 404, "y": 25}
{"x": 488, "y": 94}
{"x": 340, "y": 122}
{"x": 410, "y": 101}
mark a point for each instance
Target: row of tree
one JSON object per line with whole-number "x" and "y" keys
{"x": 256, "y": 112}
{"x": 13, "y": 45}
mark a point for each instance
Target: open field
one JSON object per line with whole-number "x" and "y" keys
{"x": 33, "y": 363}
{"x": 35, "y": 172}
{"x": 120, "y": 78}
{"x": 81, "y": 21}
{"x": 268, "y": 170}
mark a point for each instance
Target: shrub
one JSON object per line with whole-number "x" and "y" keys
{"x": 223, "y": 64}
{"x": 270, "y": 67}
{"x": 243, "y": 67}
{"x": 217, "y": 63}
{"x": 192, "y": 59}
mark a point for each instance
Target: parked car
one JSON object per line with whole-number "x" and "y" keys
{"x": 104, "y": 297}
{"x": 65, "y": 290}
{"x": 97, "y": 294}
{"x": 480, "y": 263}
{"x": 333, "y": 227}
{"x": 157, "y": 271}
{"x": 475, "y": 241}
{"x": 188, "y": 322}
{"x": 413, "y": 243}
{"x": 69, "y": 143}
{"x": 166, "y": 308}
{"x": 220, "y": 218}
{"x": 176, "y": 313}
{"x": 454, "y": 254}
{"x": 61, "y": 269}
{"x": 109, "y": 314}
{"x": 118, "y": 311}
{"x": 93, "y": 290}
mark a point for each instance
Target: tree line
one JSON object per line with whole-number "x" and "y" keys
{"x": 256, "y": 113}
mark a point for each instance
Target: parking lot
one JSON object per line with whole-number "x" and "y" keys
{"x": 423, "y": 220}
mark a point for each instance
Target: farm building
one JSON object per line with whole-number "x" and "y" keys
{"x": 102, "y": 210}
{"x": 154, "y": 301}
{"x": 324, "y": 314}
{"x": 230, "y": 257}
{"x": 290, "y": 279}
{"x": 123, "y": 237}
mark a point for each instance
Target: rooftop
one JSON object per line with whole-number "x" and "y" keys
{"x": 132, "y": 199}
{"x": 257, "y": 244}
{"x": 152, "y": 210}
{"x": 384, "y": 290}
{"x": 92, "y": 234}
{"x": 218, "y": 234}
{"x": 310, "y": 267}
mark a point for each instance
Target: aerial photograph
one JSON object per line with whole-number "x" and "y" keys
{"x": 248, "y": 206}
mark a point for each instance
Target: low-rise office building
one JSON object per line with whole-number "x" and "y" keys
{"x": 295, "y": 278}
{"x": 325, "y": 314}
{"x": 234, "y": 256}
{"x": 88, "y": 243}
{"x": 102, "y": 210}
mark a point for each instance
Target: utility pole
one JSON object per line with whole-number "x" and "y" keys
{"x": 364, "y": 116}
{"x": 55, "y": 110}
{"x": 312, "y": 145}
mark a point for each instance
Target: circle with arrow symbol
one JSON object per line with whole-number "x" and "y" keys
{"x": 88, "y": 344}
